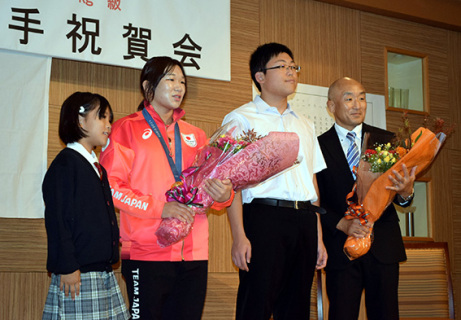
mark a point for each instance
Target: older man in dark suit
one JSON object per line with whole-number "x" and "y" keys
{"x": 377, "y": 271}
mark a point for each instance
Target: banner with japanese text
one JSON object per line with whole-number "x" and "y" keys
{"x": 24, "y": 86}
{"x": 123, "y": 33}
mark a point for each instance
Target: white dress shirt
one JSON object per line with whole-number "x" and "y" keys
{"x": 296, "y": 183}
{"x": 345, "y": 143}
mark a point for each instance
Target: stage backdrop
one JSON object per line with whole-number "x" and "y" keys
{"x": 124, "y": 32}
{"x": 24, "y": 84}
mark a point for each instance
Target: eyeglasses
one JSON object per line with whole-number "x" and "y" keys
{"x": 282, "y": 66}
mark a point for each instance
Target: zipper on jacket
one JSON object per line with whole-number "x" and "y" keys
{"x": 182, "y": 251}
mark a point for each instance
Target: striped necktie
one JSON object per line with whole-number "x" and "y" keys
{"x": 98, "y": 166}
{"x": 352, "y": 152}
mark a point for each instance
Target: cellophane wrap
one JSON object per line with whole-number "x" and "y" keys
{"x": 370, "y": 188}
{"x": 245, "y": 167}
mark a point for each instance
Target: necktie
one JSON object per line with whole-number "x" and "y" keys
{"x": 352, "y": 152}
{"x": 98, "y": 166}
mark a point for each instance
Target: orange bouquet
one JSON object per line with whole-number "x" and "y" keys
{"x": 372, "y": 197}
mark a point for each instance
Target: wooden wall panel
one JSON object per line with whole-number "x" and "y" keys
{"x": 438, "y": 13}
{"x": 22, "y": 245}
{"x": 221, "y": 296}
{"x": 454, "y": 163}
{"x": 454, "y": 197}
{"x": 23, "y": 295}
{"x": 119, "y": 85}
{"x": 325, "y": 39}
{"x": 454, "y": 87}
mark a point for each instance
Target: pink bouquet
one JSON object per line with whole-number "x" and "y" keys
{"x": 246, "y": 160}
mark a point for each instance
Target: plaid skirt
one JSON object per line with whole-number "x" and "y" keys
{"x": 99, "y": 298}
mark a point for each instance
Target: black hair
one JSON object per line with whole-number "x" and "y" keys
{"x": 153, "y": 71}
{"x": 80, "y": 104}
{"x": 261, "y": 57}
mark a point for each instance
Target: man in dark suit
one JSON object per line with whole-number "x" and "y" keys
{"x": 377, "y": 271}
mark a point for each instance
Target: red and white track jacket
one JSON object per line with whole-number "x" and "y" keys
{"x": 139, "y": 175}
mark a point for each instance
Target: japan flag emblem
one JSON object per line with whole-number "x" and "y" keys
{"x": 189, "y": 139}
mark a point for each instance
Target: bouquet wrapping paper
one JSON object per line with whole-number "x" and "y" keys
{"x": 370, "y": 188}
{"x": 244, "y": 163}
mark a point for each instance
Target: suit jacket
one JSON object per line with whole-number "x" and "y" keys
{"x": 335, "y": 183}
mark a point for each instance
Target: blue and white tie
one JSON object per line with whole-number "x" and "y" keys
{"x": 353, "y": 152}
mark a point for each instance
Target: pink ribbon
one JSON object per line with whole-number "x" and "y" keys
{"x": 183, "y": 193}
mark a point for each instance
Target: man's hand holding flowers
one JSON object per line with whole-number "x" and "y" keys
{"x": 219, "y": 190}
{"x": 403, "y": 185}
{"x": 353, "y": 228}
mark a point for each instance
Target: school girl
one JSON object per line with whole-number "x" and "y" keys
{"x": 80, "y": 221}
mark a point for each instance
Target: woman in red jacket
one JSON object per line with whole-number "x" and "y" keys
{"x": 145, "y": 155}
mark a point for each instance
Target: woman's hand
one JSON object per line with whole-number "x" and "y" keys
{"x": 179, "y": 211}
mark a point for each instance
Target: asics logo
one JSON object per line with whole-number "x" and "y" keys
{"x": 147, "y": 133}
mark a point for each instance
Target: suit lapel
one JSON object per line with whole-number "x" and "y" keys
{"x": 333, "y": 151}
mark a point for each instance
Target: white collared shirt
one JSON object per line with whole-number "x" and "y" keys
{"x": 295, "y": 183}
{"x": 91, "y": 157}
{"x": 345, "y": 143}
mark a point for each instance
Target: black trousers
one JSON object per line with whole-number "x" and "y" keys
{"x": 284, "y": 255}
{"x": 380, "y": 282}
{"x": 160, "y": 290}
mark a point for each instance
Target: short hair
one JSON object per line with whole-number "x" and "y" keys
{"x": 153, "y": 71}
{"x": 261, "y": 57}
{"x": 80, "y": 104}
